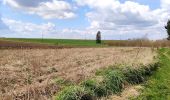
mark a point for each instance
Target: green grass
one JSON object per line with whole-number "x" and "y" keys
{"x": 74, "y": 93}
{"x": 60, "y": 42}
{"x": 106, "y": 82}
{"x": 158, "y": 86}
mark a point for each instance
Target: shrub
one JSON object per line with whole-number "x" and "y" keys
{"x": 74, "y": 93}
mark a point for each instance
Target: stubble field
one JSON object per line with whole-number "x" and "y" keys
{"x": 27, "y": 73}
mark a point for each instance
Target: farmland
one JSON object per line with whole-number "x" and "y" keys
{"x": 56, "y": 42}
{"x": 32, "y": 73}
{"x": 84, "y": 50}
{"x": 60, "y": 43}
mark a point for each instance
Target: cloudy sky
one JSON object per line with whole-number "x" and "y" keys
{"x": 81, "y": 19}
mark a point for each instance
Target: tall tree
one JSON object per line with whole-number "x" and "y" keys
{"x": 167, "y": 27}
{"x": 98, "y": 37}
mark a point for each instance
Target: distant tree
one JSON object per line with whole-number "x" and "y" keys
{"x": 98, "y": 37}
{"x": 167, "y": 27}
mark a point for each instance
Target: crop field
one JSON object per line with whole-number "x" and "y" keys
{"x": 55, "y": 42}
{"x": 60, "y": 43}
{"x": 34, "y": 73}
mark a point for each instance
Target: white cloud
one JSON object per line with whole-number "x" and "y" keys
{"x": 128, "y": 19}
{"x": 116, "y": 20}
{"x": 112, "y": 12}
{"x": 47, "y": 9}
{"x": 165, "y": 4}
{"x": 26, "y": 28}
{"x": 25, "y": 3}
{"x": 50, "y": 30}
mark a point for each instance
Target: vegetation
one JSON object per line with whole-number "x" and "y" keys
{"x": 86, "y": 43}
{"x": 137, "y": 43}
{"x": 57, "y": 42}
{"x": 74, "y": 93}
{"x": 108, "y": 81}
{"x": 95, "y": 86}
{"x": 98, "y": 37}
{"x": 158, "y": 86}
{"x": 167, "y": 27}
{"x": 62, "y": 68}
{"x": 113, "y": 80}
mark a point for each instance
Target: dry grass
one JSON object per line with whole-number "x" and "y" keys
{"x": 127, "y": 94}
{"x": 137, "y": 43}
{"x": 30, "y": 73}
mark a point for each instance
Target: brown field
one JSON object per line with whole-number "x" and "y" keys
{"x": 30, "y": 73}
{"x": 138, "y": 43}
{"x": 5, "y": 44}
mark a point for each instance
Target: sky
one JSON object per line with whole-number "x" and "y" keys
{"x": 81, "y": 19}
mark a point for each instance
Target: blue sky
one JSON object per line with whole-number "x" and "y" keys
{"x": 81, "y": 19}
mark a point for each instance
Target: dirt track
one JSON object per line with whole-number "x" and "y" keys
{"x": 33, "y": 70}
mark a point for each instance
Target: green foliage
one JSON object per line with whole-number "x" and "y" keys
{"x": 167, "y": 27}
{"x": 74, "y": 93}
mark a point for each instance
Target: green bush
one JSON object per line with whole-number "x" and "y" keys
{"x": 74, "y": 93}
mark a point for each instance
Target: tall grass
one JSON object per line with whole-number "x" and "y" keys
{"x": 137, "y": 43}
{"x": 108, "y": 81}
{"x": 74, "y": 93}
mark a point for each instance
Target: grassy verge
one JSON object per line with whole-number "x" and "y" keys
{"x": 158, "y": 86}
{"x": 107, "y": 82}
